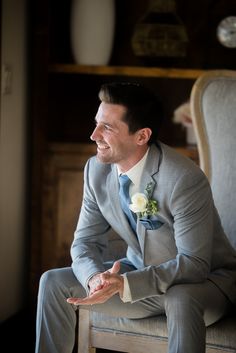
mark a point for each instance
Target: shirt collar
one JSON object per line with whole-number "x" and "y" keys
{"x": 135, "y": 172}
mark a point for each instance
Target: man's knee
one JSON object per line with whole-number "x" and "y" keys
{"x": 182, "y": 300}
{"x": 48, "y": 281}
{"x": 46, "y": 278}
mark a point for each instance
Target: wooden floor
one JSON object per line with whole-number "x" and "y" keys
{"x": 18, "y": 335}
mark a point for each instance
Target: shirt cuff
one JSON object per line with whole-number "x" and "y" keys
{"x": 126, "y": 293}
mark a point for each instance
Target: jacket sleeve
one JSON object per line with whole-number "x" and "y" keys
{"x": 90, "y": 237}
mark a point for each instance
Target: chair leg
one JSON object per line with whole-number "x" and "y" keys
{"x": 84, "y": 332}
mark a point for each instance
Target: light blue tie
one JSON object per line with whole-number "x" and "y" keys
{"x": 125, "y": 181}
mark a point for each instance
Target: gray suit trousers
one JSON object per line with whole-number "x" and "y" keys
{"x": 189, "y": 309}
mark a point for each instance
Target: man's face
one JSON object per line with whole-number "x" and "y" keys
{"x": 114, "y": 142}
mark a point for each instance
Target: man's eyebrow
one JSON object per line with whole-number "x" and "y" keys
{"x": 103, "y": 123}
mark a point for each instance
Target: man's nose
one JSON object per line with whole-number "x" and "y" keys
{"x": 94, "y": 134}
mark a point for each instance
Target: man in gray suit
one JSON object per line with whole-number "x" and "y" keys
{"x": 178, "y": 262}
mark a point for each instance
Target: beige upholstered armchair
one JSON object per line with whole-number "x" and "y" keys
{"x": 213, "y": 105}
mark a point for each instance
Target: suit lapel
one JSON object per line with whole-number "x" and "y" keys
{"x": 150, "y": 170}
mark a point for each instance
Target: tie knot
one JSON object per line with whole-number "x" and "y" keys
{"x": 124, "y": 180}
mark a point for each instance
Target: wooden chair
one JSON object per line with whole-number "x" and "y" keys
{"x": 213, "y": 105}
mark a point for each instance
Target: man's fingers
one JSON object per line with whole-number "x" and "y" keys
{"x": 112, "y": 284}
{"x": 115, "y": 268}
{"x": 97, "y": 297}
{"x": 103, "y": 286}
{"x": 73, "y": 300}
{"x": 79, "y": 301}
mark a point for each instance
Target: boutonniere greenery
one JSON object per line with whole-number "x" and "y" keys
{"x": 142, "y": 204}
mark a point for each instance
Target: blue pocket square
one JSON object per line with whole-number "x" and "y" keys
{"x": 151, "y": 224}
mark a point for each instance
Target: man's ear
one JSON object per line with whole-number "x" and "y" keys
{"x": 144, "y": 136}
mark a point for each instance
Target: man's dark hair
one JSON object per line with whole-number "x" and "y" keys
{"x": 144, "y": 108}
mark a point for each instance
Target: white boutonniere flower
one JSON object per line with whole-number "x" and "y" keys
{"x": 142, "y": 204}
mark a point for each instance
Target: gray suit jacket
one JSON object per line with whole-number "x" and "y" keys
{"x": 189, "y": 244}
